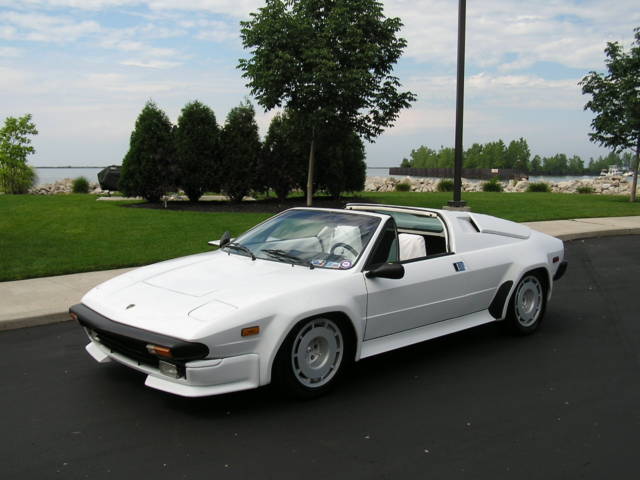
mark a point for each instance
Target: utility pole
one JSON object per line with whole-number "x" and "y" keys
{"x": 457, "y": 201}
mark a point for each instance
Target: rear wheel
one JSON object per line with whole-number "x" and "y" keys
{"x": 312, "y": 358}
{"x": 527, "y": 305}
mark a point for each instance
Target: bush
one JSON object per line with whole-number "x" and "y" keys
{"x": 403, "y": 187}
{"x": 445, "y": 185}
{"x": 197, "y": 151}
{"x": 585, "y": 189}
{"x": 80, "y": 185}
{"x": 17, "y": 179}
{"x": 148, "y": 168}
{"x": 240, "y": 146}
{"x": 340, "y": 162}
{"x": 283, "y": 161}
{"x": 538, "y": 187}
{"x": 492, "y": 185}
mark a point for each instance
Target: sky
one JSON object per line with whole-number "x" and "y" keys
{"x": 85, "y": 68}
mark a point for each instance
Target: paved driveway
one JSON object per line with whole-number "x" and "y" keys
{"x": 564, "y": 403}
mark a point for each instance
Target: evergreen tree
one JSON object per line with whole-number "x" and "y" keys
{"x": 282, "y": 162}
{"x": 240, "y": 149}
{"x": 198, "y": 158}
{"x": 148, "y": 168}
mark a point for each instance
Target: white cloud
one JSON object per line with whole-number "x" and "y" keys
{"x": 45, "y": 28}
{"x": 570, "y": 33}
{"x": 150, "y": 64}
{"x": 10, "y": 52}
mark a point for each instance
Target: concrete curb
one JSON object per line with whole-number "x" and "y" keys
{"x": 66, "y": 290}
{"x": 596, "y": 234}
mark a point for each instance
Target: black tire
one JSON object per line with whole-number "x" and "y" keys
{"x": 313, "y": 358}
{"x": 527, "y": 305}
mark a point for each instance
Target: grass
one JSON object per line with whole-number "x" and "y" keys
{"x": 521, "y": 207}
{"x": 58, "y": 234}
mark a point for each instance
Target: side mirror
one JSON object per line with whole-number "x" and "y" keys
{"x": 394, "y": 271}
{"x": 224, "y": 239}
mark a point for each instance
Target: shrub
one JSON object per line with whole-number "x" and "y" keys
{"x": 17, "y": 178}
{"x": 538, "y": 187}
{"x": 492, "y": 185}
{"x": 80, "y": 185}
{"x": 282, "y": 164}
{"x": 148, "y": 167}
{"x": 585, "y": 189}
{"x": 445, "y": 185}
{"x": 240, "y": 147}
{"x": 403, "y": 187}
{"x": 197, "y": 152}
{"x": 340, "y": 162}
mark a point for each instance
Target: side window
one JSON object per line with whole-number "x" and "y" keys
{"x": 386, "y": 249}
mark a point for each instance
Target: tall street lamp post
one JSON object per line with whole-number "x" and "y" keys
{"x": 457, "y": 201}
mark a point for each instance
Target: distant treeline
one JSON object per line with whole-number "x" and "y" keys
{"x": 515, "y": 155}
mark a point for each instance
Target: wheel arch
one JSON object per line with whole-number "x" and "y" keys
{"x": 341, "y": 318}
{"x": 540, "y": 271}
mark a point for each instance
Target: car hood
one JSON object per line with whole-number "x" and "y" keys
{"x": 180, "y": 297}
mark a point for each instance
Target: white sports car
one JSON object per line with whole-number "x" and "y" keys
{"x": 298, "y": 297}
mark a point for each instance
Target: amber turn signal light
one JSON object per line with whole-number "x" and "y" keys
{"x": 159, "y": 351}
{"x": 247, "y": 332}
{"x": 73, "y": 316}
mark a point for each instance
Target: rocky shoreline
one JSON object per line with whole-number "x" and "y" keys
{"x": 64, "y": 186}
{"x": 599, "y": 185}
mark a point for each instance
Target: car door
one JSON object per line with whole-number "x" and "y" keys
{"x": 432, "y": 289}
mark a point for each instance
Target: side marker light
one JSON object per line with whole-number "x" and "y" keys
{"x": 247, "y": 332}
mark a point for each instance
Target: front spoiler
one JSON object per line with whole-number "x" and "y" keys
{"x": 202, "y": 377}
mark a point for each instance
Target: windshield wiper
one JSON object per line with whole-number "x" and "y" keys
{"x": 288, "y": 256}
{"x": 242, "y": 248}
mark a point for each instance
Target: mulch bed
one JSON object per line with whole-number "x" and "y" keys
{"x": 261, "y": 206}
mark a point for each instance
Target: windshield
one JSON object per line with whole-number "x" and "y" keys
{"x": 315, "y": 238}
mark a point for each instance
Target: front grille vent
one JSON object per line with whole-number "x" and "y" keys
{"x": 129, "y": 347}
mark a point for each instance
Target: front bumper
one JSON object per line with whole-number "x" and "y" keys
{"x": 202, "y": 377}
{"x": 198, "y": 376}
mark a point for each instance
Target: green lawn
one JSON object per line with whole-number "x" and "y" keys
{"x": 522, "y": 207}
{"x": 53, "y": 235}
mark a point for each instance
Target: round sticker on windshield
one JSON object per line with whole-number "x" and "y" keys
{"x": 345, "y": 264}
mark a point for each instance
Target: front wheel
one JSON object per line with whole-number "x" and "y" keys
{"x": 527, "y": 305}
{"x": 312, "y": 358}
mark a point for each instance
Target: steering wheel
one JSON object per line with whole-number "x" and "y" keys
{"x": 346, "y": 246}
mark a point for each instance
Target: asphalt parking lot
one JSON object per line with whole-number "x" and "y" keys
{"x": 563, "y": 403}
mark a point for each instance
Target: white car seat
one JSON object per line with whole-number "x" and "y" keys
{"x": 411, "y": 246}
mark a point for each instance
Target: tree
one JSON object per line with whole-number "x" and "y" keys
{"x": 197, "y": 152}
{"x": 330, "y": 61}
{"x": 615, "y": 101}
{"x": 518, "y": 155}
{"x": 15, "y": 146}
{"x": 342, "y": 153}
{"x": 281, "y": 162}
{"x": 240, "y": 148}
{"x": 148, "y": 168}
